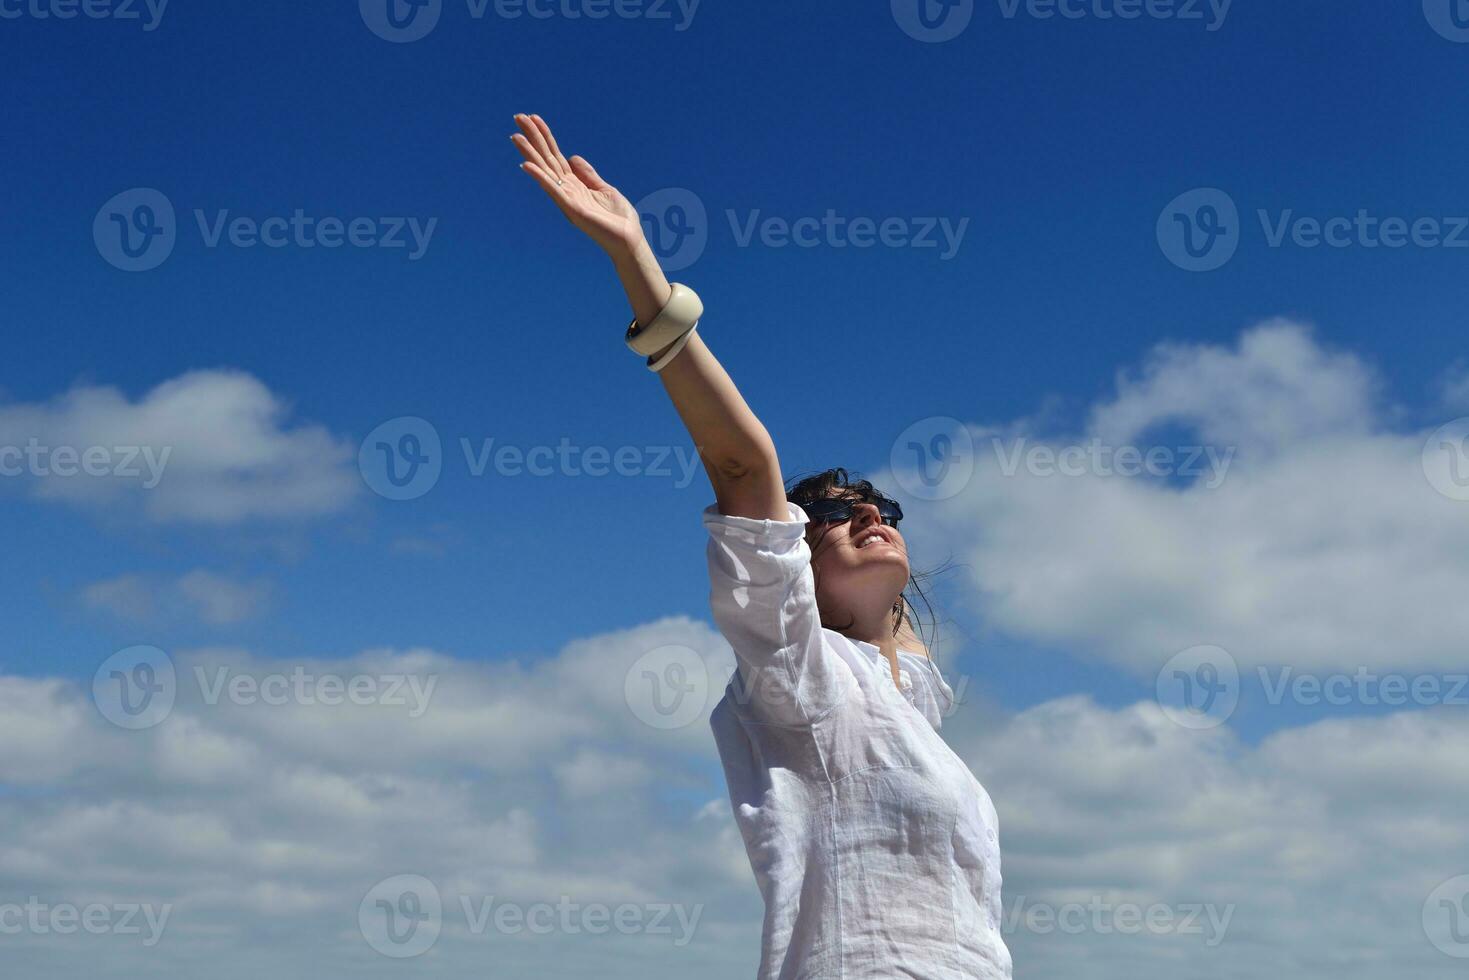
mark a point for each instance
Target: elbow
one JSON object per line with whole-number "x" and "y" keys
{"x": 748, "y": 465}
{"x": 734, "y": 469}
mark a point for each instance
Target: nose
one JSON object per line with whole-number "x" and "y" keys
{"x": 864, "y": 515}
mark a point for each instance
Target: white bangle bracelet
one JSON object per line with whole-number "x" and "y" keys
{"x": 679, "y": 315}
{"x": 678, "y": 345}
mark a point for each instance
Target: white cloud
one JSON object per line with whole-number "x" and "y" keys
{"x": 218, "y": 599}
{"x": 590, "y": 774}
{"x": 1453, "y": 387}
{"x": 210, "y": 447}
{"x": 1322, "y": 546}
{"x": 198, "y": 594}
{"x": 1326, "y": 840}
{"x": 265, "y": 821}
{"x": 128, "y": 596}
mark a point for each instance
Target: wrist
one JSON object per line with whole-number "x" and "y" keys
{"x": 647, "y": 288}
{"x": 631, "y": 251}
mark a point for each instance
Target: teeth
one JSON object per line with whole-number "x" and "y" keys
{"x": 869, "y": 539}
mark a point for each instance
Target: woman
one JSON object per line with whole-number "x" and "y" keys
{"x": 873, "y": 845}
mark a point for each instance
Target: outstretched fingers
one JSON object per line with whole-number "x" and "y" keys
{"x": 545, "y": 131}
{"x": 527, "y": 150}
{"x": 546, "y": 158}
{"x": 588, "y": 174}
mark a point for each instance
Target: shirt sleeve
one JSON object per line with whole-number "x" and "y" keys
{"x": 763, "y": 598}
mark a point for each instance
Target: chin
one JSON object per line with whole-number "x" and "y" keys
{"x": 884, "y": 556}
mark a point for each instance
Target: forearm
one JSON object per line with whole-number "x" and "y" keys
{"x": 726, "y": 432}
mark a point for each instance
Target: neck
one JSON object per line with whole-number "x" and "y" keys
{"x": 879, "y": 632}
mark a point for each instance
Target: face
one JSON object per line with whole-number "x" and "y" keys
{"x": 860, "y": 565}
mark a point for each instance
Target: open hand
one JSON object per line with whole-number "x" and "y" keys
{"x": 588, "y": 201}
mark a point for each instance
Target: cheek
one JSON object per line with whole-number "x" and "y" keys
{"x": 825, "y": 556}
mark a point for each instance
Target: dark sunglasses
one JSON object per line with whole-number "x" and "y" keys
{"x": 836, "y": 509}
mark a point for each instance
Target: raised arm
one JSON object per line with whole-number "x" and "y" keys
{"x": 738, "y": 453}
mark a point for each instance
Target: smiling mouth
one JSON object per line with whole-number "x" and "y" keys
{"x": 871, "y": 538}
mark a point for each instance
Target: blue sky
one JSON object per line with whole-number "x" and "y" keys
{"x": 1058, "y": 141}
{"x": 1053, "y": 149}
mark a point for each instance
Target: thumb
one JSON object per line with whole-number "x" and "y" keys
{"x": 588, "y": 174}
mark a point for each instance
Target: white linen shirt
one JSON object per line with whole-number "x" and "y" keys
{"x": 873, "y": 845}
